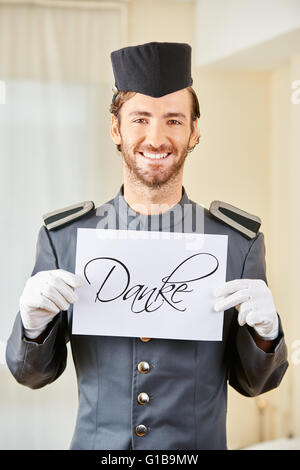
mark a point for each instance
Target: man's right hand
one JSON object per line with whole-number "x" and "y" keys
{"x": 44, "y": 296}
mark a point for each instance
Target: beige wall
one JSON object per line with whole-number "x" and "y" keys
{"x": 279, "y": 234}
{"x": 295, "y": 230}
{"x": 284, "y": 195}
{"x": 160, "y": 20}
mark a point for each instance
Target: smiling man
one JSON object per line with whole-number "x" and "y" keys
{"x": 151, "y": 393}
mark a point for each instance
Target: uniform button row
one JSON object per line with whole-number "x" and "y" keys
{"x": 143, "y": 398}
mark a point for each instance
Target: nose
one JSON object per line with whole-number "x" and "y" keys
{"x": 156, "y": 135}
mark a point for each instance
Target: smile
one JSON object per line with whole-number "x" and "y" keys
{"x": 155, "y": 156}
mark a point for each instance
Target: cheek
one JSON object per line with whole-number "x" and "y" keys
{"x": 179, "y": 139}
{"x": 136, "y": 132}
{"x": 132, "y": 134}
{"x": 179, "y": 134}
{"x": 131, "y": 142}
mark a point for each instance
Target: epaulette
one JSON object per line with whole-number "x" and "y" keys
{"x": 65, "y": 215}
{"x": 240, "y": 220}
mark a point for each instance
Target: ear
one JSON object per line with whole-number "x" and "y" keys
{"x": 114, "y": 130}
{"x": 195, "y": 134}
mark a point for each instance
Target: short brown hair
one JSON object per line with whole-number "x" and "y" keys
{"x": 120, "y": 97}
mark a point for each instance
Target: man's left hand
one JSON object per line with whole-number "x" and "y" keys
{"x": 254, "y": 302}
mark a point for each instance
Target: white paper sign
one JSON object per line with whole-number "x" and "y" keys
{"x": 149, "y": 284}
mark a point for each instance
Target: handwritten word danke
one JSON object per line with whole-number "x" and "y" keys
{"x": 112, "y": 279}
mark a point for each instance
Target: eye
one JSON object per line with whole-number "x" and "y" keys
{"x": 174, "y": 122}
{"x": 140, "y": 120}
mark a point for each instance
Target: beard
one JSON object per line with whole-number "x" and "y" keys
{"x": 156, "y": 176}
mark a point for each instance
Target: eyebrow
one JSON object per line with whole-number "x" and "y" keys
{"x": 167, "y": 115}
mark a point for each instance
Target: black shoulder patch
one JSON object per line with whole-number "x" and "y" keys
{"x": 240, "y": 220}
{"x": 63, "y": 216}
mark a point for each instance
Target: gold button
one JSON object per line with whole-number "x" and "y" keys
{"x": 141, "y": 430}
{"x": 145, "y": 340}
{"x": 144, "y": 367}
{"x": 143, "y": 398}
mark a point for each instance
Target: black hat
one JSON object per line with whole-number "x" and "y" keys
{"x": 154, "y": 69}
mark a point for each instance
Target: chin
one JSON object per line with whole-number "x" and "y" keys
{"x": 156, "y": 183}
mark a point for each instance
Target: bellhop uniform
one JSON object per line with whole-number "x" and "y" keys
{"x": 156, "y": 393}
{"x": 148, "y": 393}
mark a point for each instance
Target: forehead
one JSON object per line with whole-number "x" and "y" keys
{"x": 179, "y": 101}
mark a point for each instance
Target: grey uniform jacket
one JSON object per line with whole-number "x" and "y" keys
{"x": 187, "y": 380}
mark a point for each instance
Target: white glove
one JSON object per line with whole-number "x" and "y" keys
{"x": 44, "y": 296}
{"x": 254, "y": 302}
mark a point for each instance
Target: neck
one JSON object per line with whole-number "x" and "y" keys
{"x": 145, "y": 200}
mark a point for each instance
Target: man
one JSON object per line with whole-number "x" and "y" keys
{"x": 150, "y": 393}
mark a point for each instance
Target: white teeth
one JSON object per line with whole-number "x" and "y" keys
{"x": 155, "y": 155}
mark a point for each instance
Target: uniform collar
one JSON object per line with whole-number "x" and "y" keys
{"x": 169, "y": 221}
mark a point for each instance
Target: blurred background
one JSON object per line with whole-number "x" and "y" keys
{"x": 55, "y": 150}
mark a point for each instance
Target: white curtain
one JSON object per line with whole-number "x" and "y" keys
{"x": 55, "y": 151}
